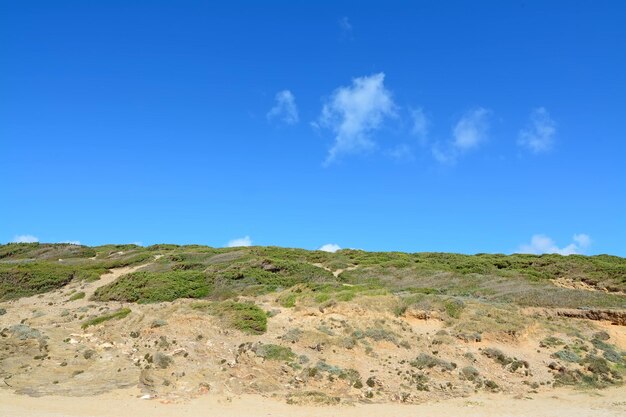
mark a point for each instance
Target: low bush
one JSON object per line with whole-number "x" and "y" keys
{"x": 273, "y": 352}
{"x": 470, "y": 373}
{"x": 151, "y": 287}
{"x": 23, "y": 280}
{"x": 566, "y": 355}
{"x": 117, "y": 315}
{"x": 497, "y": 355}
{"x": 246, "y": 317}
{"x": 312, "y": 397}
{"x": 550, "y": 342}
{"x": 425, "y": 360}
{"x": 77, "y": 296}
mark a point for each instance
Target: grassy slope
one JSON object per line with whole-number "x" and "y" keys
{"x": 198, "y": 271}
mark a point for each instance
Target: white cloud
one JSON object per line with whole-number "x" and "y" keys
{"x": 582, "y": 240}
{"x": 241, "y": 241}
{"x": 468, "y": 133}
{"x": 346, "y": 27}
{"x": 71, "y": 242}
{"x": 25, "y": 239}
{"x": 420, "y": 124}
{"x": 330, "y": 247}
{"x": 538, "y": 136}
{"x": 354, "y": 112}
{"x": 285, "y": 108}
{"x": 471, "y": 130}
{"x": 543, "y": 244}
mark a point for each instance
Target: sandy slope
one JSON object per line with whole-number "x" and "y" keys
{"x": 206, "y": 355}
{"x": 558, "y": 403}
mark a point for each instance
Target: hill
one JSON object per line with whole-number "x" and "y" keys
{"x": 307, "y": 326}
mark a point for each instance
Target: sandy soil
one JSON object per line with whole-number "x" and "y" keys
{"x": 104, "y": 370}
{"x": 558, "y": 403}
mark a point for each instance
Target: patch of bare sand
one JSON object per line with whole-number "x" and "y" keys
{"x": 557, "y": 403}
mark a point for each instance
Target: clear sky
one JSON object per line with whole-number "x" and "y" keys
{"x": 460, "y": 126}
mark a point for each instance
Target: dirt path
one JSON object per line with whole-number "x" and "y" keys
{"x": 558, "y": 403}
{"x": 90, "y": 288}
{"x": 54, "y": 301}
{"x": 336, "y": 272}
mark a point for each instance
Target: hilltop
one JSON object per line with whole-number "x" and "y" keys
{"x": 306, "y": 327}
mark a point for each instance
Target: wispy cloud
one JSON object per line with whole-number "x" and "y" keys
{"x": 330, "y": 247}
{"x": 240, "y": 241}
{"x": 468, "y": 133}
{"x": 538, "y": 135}
{"x": 420, "y": 125}
{"x": 346, "y": 28}
{"x": 285, "y": 109}
{"x": 354, "y": 112}
{"x": 543, "y": 244}
{"x": 25, "y": 239}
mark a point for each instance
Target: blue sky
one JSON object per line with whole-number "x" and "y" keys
{"x": 455, "y": 126}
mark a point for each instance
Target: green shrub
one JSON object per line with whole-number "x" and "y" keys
{"x": 566, "y": 355}
{"x": 312, "y": 397}
{"x": 470, "y": 373}
{"x": 273, "y": 352}
{"x": 425, "y": 360}
{"x": 77, "y": 296}
{"x": 609, "y": 351}
{"x": 292, "y": 336}
{"x": 491, "y": 385}
{"x": 352, "y": 376}
{"x": 287, "y": 301}
{"x": 23, "y": 280}
{"x": 117, "y": 315}
{"x": 454, "y": 308}
{"x": 602, "y": 335}
{"x": 161, "y": 360}
{"x": 246, "y": 317}
{"x": 551, "y": 341}
{"x": 188, "y": 266}
{"x": 151, "y": 287}
{"x": 497, "y": 355}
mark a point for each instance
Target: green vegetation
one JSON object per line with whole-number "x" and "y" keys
{"x": 498, "y": 356}
{"x": 425, "y": 360}
{"x": 566, "y": 355}
{"x": 272, "y": 352}
{"x": 470, "y": 373}
{"x": 23, "y": 280}
{"x": 117, "y": 315}
{"x": 246, "y": 317}
{"x": 77, "y": 296}
{"x": 312, "y": 397}
{"x": 152, "y": 287}
{"x": 551, "y": 341}
{"x": 445, "y": 281}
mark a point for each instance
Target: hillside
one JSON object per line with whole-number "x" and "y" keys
{"x": 307, "y": 326}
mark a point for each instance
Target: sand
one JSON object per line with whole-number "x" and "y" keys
{"x": 557, "y": 403}
{"x": 73, "y": 385}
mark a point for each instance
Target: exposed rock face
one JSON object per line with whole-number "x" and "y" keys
{"x": 616, "y": 317}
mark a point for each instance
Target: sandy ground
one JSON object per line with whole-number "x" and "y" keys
{"x": 558, "y": 403}
{"x": 72, "y": 385}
